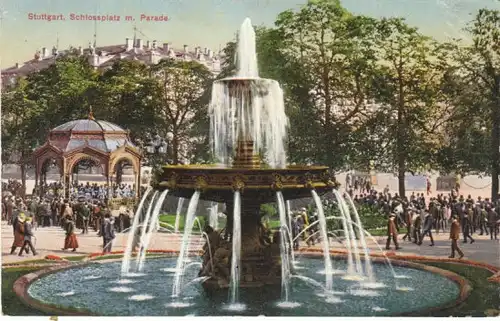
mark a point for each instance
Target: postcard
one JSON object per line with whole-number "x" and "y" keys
{"x": 251, "y": 158}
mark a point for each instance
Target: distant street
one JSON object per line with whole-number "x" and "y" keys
{"x": 50, "y": 241}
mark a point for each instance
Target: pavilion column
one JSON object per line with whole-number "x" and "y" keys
{"x": 36, "y": 178}
{"x": 65, "y": 179}
{"x": 109, "y": 180}
{"x": 138, "y": 182}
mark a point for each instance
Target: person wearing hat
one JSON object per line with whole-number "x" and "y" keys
{"x": 428, "y": 223}
{"x": 467, "y": 228}
{"x": 454, "y": 237}
{"x": 305, "y": 221}
{"x": 70, "y": 241}
{"x": 392, "y": 232}
{"x": 407, "y": 221}
{"x": 417, "y": 225}
{"x": 28, "y": 234}
{"x": 84, "y": 213}
{"x": 18, "y": 225}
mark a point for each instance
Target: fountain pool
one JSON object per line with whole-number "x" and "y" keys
{"x": 98, "y": 288}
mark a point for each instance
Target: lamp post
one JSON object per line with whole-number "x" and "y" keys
{"x": 157, "y": 149}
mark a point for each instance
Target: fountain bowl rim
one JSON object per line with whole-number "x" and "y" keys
{"x": 244, "y": 79}
{"x": 22, "y": 284}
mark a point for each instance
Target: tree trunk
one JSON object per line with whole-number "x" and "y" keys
{"x": 175, "y": 149}
{"x": 23, "y": 180}
{"x": 401, "y": 140}
{"x": 495, "y": 144}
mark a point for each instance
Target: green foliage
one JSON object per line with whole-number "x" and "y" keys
{"x": 268, "y": 210}
{"x": 473, "y": 85}
{"x": 171, "y": 96}
{"x": 170, "y": 220}
{"x": 331, "y": 57}
{"x": 358, "y": 91}
{"x": 371, "y": 218}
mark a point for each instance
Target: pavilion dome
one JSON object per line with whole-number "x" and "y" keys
{"x": 89, "y": 125}
{"x": 97, "y": 134}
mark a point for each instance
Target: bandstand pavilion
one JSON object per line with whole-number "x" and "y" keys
{"x": 103, "y": 144}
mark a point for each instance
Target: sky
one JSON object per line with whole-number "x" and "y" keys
{"x": 205, "y": 23}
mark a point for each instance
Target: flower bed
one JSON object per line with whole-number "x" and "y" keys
{"x": 52, "y": 257}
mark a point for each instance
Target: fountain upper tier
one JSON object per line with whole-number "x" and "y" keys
{"x": 257, "y": 184}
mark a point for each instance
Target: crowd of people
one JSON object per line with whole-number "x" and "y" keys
{"x": 416, "y": 215}
{"x": 419, "y": 218}
{"x": 12, "y": 186}
{"x": 88, "y": 190}
{"x": 102, "y": 191}
{"x": 26, "y": 216}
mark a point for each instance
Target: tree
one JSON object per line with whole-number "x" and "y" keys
{"x": 63, "y": 90}
{"x": 332, "y": 59}
{"x": 182, "y": 95}
{"x": 407, "y": 91}
{"x": 126, "y": 95}
{"x": 478, "y": 71}
{"x": 20, "y": 134}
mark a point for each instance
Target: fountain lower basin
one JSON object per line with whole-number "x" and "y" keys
{"x": 148, "y": 294}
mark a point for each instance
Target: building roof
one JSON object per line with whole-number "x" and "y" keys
{"x": 89, "y": 125}
{"x": 107, "y": 55}
{"x": 100, "y": 135}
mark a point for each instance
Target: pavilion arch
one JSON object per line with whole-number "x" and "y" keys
{"x": 102, "y": 142}
{"x": 132, "y": 156}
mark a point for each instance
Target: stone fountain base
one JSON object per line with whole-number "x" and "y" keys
{"x": 260, "y": 258}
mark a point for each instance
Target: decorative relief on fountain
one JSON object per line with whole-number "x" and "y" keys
{"x": 201, "y": 183}
{"x": 238, "y": 183}
{"x": 278, "y": 182}
{"x": 172, "y": 180}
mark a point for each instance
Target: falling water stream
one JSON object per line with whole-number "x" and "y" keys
{"x": 325, "y": 243}
{"x": 214, "y": 215}
{"x": 153, "y": 226}
{"x": 368, "y": 261}
{"x": 145, "y": 224}
{"x": 350, "y": 260}
{"x": 285, "y": 259}
{"x": 188, "y": 228}
{"x": 180, "y": 203}
{"x": 290, "y": 230}
{"x": 258, "y": 114}
{"x": 130, "y": 241}
{"x": 350, "y": 232}
{"x": 236, "y": 253}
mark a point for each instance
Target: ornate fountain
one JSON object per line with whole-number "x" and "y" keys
{"x": 248, "y": 131}
{"x": 247, "y": 117}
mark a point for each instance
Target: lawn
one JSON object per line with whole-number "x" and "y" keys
{"x": 168, "y": 221}
{"x": 485, "y": 295}
{"x": 11, "y": 304}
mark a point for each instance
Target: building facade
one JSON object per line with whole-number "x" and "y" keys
{"x": 149, "y": 52}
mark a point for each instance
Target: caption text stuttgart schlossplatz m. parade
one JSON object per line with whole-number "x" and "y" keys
{"x": 102, "y": 18}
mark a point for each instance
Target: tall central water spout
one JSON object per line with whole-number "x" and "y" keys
{"x": 246, "y": 55}
{"x": 248, "y": 108}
